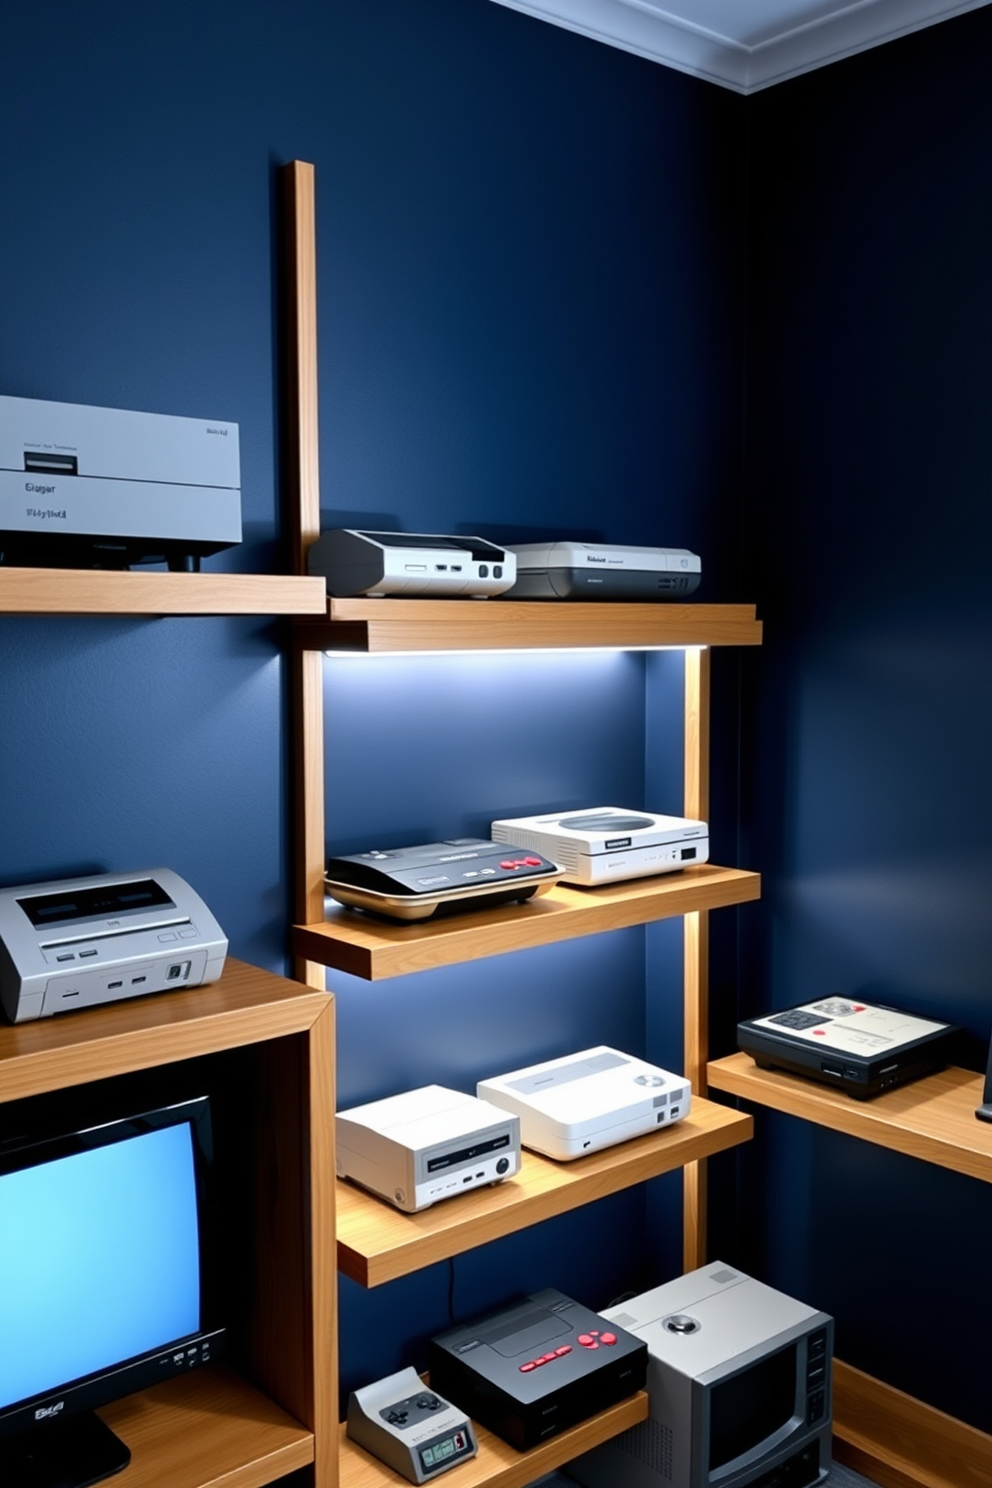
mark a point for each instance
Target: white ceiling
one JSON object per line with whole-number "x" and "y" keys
{"x": 743, "y": 44}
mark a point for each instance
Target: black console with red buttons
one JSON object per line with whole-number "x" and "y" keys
{"x": 538, "y": 1365}
{"x": 410, "y": 883}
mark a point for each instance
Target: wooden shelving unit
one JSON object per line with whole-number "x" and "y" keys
{"x": 499, "y": 1465}
{"x": 377, "y": 1243}
{"x": 213, "y": 1426}
{"x": 373, "y": 948}
{"x": 401, "y": 625}
{"x": 70, "y": 591}
{"x": 932, "y": 1119}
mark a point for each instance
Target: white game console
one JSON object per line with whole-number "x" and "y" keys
{"x": 581, "y": 570}
{"x": 427, "y": 1144}
{"x": 411, "y": 564}
{"x": 110, "y": 486}
{"x": 607, "y": 843}
{"x": 586, "y": 1101}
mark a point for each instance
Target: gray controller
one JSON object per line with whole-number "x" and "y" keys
{"x": 410, "y": 1427}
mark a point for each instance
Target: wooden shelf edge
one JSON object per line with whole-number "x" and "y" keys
{"x": 208, "y": 1427}
{"x": 48, "y": 591}
{"x": 931, "y": 1119}
{"x": 901, "y": 1442}
{"x": 395, "y": 624}
{"x": 348, "y": 941}
{"x": 377, "y": 1243}
{"x": 247, "y": 1005}
{"x": 499, "y": 1465}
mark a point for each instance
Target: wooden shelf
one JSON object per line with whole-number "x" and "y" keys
{"x": 245, "y": 1006}
{"x": 389, "y": 625}
{"x": 372, "y": 948}
{"x": 499, "y": 1465}
{"x": 377, "y": 1243}
{"x": 932, "y": 1119}
{"x": 208, "y": 1427}
{"x": 73, "y": 591}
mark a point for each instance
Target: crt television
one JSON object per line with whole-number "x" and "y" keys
{"x": 739, "y": 1387}
{"x": 100, "y": 1254}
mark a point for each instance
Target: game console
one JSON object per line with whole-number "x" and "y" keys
{"x": 412, "y": 883}
{"x": 589, "y": 1100}
{"x": 536, "y": 1366}
{"x": 739, "y": 1388}
{"x": 581, "y": 570}
{"x": 105, "y": 487}
{"x": 410, "y": 1427}
{"x": 427, "y": 1144}
{"x": 76, "y": 942}
{"x": 604, "y": 844}
{"x": 852, "y": 1045}
{"x": 410, "y": 563}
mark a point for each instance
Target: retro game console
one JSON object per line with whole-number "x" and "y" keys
{"x": 739, "y": 1389}
{"x": 587, "y": 1101}
{"x": 105, "y": 487}
{"x": 427, "y": 1144}
{"x": 410, "y": 1427}
{"x": 410, "y": 563}
{"x": 580, "y": 570}
{"x": 605, "y": 844}
{"x": 536, "y": 1366}
{"x": 412, "y": 883}
{"x": 850, "y": 1044}
{"x": 75, "y": 942}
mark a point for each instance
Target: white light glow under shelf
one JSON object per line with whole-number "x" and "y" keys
{"x": 505, "y": 651}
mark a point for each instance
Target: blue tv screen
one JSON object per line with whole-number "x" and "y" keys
{"x": 99, "y": 1255}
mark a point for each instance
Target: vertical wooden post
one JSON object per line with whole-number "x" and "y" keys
{"x": 302, "y": 478}
{"x": 696, "y": 945}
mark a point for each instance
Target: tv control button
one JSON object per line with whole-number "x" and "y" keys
{"x": 566, "y": 1348}
{"x": 608, "y": 1338}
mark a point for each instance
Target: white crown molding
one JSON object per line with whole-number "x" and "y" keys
{"x": 637, "y": 26}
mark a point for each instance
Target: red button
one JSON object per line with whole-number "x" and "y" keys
{"x": 585, "y": 1340}
{"x": 539, "y": 1362}
{"x": 566, "y": 1348}
{"x": 594, "y": 1344}
{"x": 533, "y": 862}
{"x": 548, "y": 1358}
{"x": 608, "y": 1338}
{"x": 526, "y": 1368}
{"x": 507, "y": 864}
{"x": 820, "y": 1032}
{"x": 594, "y": 1332}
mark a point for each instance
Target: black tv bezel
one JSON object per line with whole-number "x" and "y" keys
{"x": 124, "y": 1377}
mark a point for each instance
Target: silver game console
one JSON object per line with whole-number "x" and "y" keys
{"x": 411, "y": 564}
{"x": 587, "y": 1101}
{"x": 739, "y": 1389}
{"x": 410, "y": 1427}
{"x": 107, "y": 486}
{"x": 580, "y": 570}
{"x": 607, "y": 843}
{"x": 75, "y": 942}
{"x": 427, "y": 1144}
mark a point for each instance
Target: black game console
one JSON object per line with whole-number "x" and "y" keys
{"x": 412, "y": 883}
{"x": 537, "y": 1366}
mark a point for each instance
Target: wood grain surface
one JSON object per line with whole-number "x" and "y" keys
{"x": 70, "y": 591}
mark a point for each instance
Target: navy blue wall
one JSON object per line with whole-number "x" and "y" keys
{"x": 867, "y": 794}
{"x": 531, "y": 319}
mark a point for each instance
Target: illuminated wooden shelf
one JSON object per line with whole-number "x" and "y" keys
{"x": 73, "y": 591}
{"x": 377, "y": 1243}
{"x": 932, "y": 1119}
{"x": 245, "y": 1006}
{"x": 375, "y": 948}
{"x": 389, "y": 625}
{"x": 205, "y": 1428}
{"x": 499, "y": 1465}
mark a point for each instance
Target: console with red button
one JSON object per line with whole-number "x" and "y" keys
{"x": 411, "y": 883}
{"x": 537, "y": 1366}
